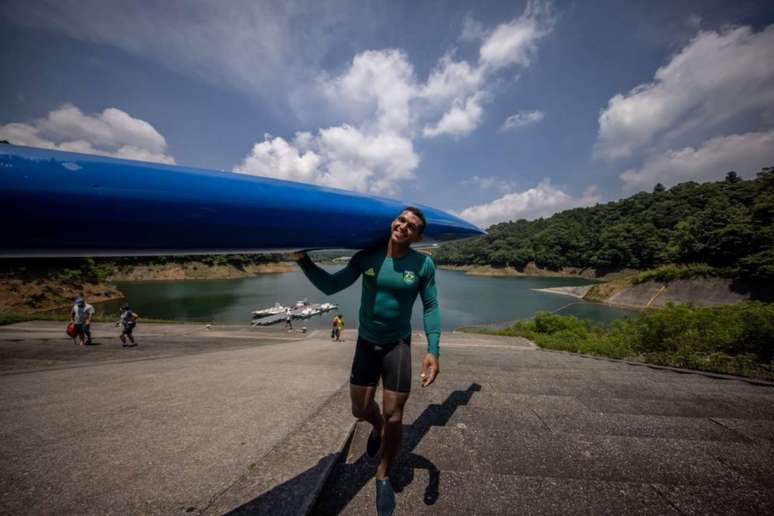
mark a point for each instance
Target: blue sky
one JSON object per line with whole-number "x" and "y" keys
{"x": 497, "y": 111}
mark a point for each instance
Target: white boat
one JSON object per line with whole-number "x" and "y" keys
{"x": 307, "y": 312}
{"x": 274, "y": 310}
{"x": 300, "y": 310}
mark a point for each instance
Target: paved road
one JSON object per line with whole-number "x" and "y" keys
{"x": 244, "y": 421}
{"x": 513, "y": 430}
{"x": 168, "y": 427}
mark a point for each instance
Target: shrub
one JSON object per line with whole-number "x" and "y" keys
{"x": 672, "y": 272}
{"x": 552, "y": 323}
{"x": 735, "y": 339}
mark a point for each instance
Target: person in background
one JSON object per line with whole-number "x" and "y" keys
{"x": 81, "y": 316}
{"x": 288, "y": 320}
{"x": 128, "y": 322}
{"x": 334, "y": 326}
{"x": 339, "y": 327}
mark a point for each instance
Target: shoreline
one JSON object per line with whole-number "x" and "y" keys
{"x": 41, "y": 296}
{"x": 199, "y": 271}
{"x": 532, "y": 271}
{"x": 577, "y": 292}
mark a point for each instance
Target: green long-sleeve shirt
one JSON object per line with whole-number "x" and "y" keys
{"x": 390, "y": 287}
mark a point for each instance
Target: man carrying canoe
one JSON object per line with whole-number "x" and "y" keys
{"x": 393, "y": 275}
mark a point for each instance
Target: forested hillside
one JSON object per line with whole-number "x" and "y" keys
{"x": 726, "y": 224}
{"x": 101, "y": 268}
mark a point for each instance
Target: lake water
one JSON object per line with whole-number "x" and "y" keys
{"x": 464, "y": 300}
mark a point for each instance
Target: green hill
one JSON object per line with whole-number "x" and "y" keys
{"x": 726, "y": 225}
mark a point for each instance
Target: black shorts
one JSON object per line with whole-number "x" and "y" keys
{"x": 128, "y": 328}
{"x": 390, "y": 362}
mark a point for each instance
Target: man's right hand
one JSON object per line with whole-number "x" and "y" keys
{"x": 298, "y": 256}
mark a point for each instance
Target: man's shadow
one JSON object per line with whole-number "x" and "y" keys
{"x": 348, "y": 479}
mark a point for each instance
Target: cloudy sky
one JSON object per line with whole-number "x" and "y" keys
{"x": 497, "y": 111}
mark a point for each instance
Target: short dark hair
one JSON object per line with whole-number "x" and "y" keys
{"x": 419, "y": 214}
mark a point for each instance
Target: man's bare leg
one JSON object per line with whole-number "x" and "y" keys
{"x": 393, "y": 403}
{"x": 364, "y": 407}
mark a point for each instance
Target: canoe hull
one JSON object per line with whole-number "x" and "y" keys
{"x": 66, "y": 204}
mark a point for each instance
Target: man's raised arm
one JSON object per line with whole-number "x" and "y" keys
{"x": 326, "y": 282}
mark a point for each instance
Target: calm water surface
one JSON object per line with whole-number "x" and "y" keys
{"x": 465, "y": 300}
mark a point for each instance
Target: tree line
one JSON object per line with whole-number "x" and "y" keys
{"x": 99, "y": 269}
{"x": 725, "y": 224}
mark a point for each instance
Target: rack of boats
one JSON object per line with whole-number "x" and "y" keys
{"x": 300, "y": 310}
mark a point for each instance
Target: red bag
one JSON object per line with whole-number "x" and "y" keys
{"x": 71, "y": 332}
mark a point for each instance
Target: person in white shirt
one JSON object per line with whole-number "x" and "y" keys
{"x": 81, "y": 316}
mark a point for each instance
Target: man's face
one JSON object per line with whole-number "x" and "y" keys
{"x": 407, "y": 228}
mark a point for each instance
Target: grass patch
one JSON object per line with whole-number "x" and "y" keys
{"x": 731, "y": 339}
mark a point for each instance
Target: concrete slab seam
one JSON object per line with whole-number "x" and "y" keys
{"x": 541, "y": 420}
{"x": 737, "y": 432}
{"x": 311, "y": 499}
{"x": 307, "y": 504}
{"x": 664, "y": 497}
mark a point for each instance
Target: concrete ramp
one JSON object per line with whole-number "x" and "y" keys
{"x": 243, "y": 423}
{"x": 637, "y": 296}
{"x": 192, "y": 421}
{"x": 507, "y": 430}
{"x": 697, "y": 292}
{"x": 700, "y": 292}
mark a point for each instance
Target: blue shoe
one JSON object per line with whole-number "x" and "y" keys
{"x": 373, "y": 445}
{"x": 385, "y": 498}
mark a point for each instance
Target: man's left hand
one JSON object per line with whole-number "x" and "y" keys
{"x": 430, "y": 369}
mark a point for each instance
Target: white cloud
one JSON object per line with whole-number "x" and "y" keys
{"x": 541, "y": 201}
{"x": 381, "y": 82}
{"x": 111, "y": 128}
{"x": 385, "y": 158}
{"x": 460, "y": 120}
{"x": 716, "y": 77}
{"x": 466, "y": 87}
{"x": 451, "y": 80}
{"x": 110, "y": 133}
{"x": 374, "y": 153}
{"x": 521, "y": 119}
{"x": 383, "y": 106}
{"x": 515, "y": 42}
{"x": 24, "y": 134}
{"x": 341, "y": 157}
{"x": 744, "y": 153}
{"x": 275, "y": 157}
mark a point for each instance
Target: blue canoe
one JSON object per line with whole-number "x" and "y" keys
{"x": 56, "y": 203}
